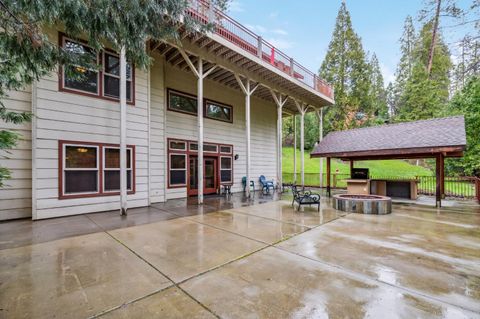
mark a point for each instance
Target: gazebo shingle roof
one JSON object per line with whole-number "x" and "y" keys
{"x": 395, "y": 138}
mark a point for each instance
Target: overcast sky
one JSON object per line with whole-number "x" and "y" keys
{"x": 303, "y": 28}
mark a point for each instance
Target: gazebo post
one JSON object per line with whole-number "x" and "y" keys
{"x": 438, "y": 180}
{"x": 442, "y": 176}
{"x": 329, "y": 193}
{"x": 351, "y": 167}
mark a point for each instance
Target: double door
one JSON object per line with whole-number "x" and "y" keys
{"x": 210, "y": 180}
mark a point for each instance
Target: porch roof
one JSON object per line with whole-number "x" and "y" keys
{"x": 236, "y": 50}
{"x": 419, "y": 139}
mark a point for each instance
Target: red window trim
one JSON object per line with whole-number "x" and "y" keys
{"x": 205, "y": 100}
{"x": 188, "y": 152}
{"x": 99, "y": 95}
{"x": 100, "y": 192}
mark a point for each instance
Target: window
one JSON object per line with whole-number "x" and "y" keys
{"x": 79, "y": 78}
{"x": 225, "y": 169}
{"x": 178, "y": 145}
{"x": 103, "y": 82}
{"x": 216, "y": 111}
{"x": 224, "y": 149}
{"x": 210, "y": 148}
{"x": 80, "y": 169}
{"x": 193, "y": 147}
{"x": 111, "y": 169}
{"x": 93, "y": 169}
{"x": 111, "y": 76}
{"x": 182, "y": 102}
{"x": 178, "y": 170}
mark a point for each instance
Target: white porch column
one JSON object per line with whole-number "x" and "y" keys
{"x": 200, "y": 75}
{"x": 320, "y": 138}
{"x": 248, "y": 91}
{"x": 302, "y": 108}
{"x": 123, "y": 133}
{"x": 280, "y": 102}
{"x": 200, "y": 129}
{"x": 294, "y": 148}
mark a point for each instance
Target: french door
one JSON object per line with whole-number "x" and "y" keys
{"x": 210, "y": 179}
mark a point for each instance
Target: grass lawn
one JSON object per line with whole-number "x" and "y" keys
{"x": 390, "y": 168}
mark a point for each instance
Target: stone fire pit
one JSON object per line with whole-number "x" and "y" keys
{"x": 363, "y": 204}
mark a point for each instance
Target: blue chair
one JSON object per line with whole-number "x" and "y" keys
{"x": 266, "y": 185}
{"x": 244, "y": 183}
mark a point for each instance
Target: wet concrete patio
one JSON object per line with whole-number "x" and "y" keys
{"x": 233, "y": 258}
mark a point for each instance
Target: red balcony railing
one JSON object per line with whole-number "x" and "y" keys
{"x": 234, "y": 32}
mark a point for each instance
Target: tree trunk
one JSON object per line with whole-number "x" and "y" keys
{"x": 434, "y": 38}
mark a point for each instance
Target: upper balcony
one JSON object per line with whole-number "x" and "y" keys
{"x": 247, "y": 40}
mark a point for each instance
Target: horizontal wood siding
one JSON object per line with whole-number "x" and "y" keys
{"x": 16, "y": 195}
{"x": 157, "y": 131}
{"x": 69, "y": 116}
{"x": 263, "y": 128}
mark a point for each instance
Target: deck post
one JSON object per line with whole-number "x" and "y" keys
{"x": 280, "y": 102}
{"x": 329, "y": 191}
{"x": 123, "y": 132}
{"x": 294, "y": 148}
{"x": 200, "y": 75}
{"x": 248, "y": 91}
{"x": 438, "y": 180}
{"x": 302, "y": 108}
{"x": 320, "y": 138}
{"x": 200, "y": 129}
{"x": 259, "y": 47}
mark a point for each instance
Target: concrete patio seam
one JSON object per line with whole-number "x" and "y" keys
{"x": 159, "y": 271}
{"x": 363, "y": 277}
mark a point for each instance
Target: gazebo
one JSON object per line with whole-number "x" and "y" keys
{"x": 438, "y": 138}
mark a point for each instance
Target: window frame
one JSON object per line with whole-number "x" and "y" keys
{"x": 104, "y": 73}
{"x": 100, "y": 74}
{"x": 63, "y": 39}
{"x": 169, "y": 107}
{"x": 226, "y": 169}
{"x": 205, "y": 113}
{"x": 204, "y": 105}
{"x": 104, "y": 168}
{"x": 185, "y": 155}
{"x": 100, "y": 165}
{"x": 66, "y": 169}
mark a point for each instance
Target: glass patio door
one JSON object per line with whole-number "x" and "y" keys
{"x": 209, "y": 175}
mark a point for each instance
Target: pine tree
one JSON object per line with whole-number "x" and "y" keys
{"x": 377, "y": 89}
{"x": 345, "y": 67}
{"x": 27, "y": 54}
{"x": 405, "y": 66}
{"x": 426, "y": 94}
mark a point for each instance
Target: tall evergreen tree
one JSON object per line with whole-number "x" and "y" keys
{"x": 378, "y": 93}
{"x": 345, "y": 67}
{"x": 426, "y": 94}
{"x": 405, "y": 66}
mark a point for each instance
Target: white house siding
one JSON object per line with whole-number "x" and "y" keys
{"x": 16, "y": 196}
{"x": 67, "y": 116}
{"x": 157, "y": 130}
{"x": 263, "y": 128}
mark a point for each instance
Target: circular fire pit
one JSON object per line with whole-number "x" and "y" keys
{"x": 363, "y": 204}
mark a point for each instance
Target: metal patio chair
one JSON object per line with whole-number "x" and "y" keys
{"x": 266, "y": 184}
{"x": 303, "y": 197}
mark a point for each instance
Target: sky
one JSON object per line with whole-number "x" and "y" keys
{"x": 303, "y": 28}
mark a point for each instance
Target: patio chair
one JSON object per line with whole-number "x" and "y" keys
{"x": 303, "y": 197}
{"x": 244, "y": 183}
{"x": 266, "y": 185}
